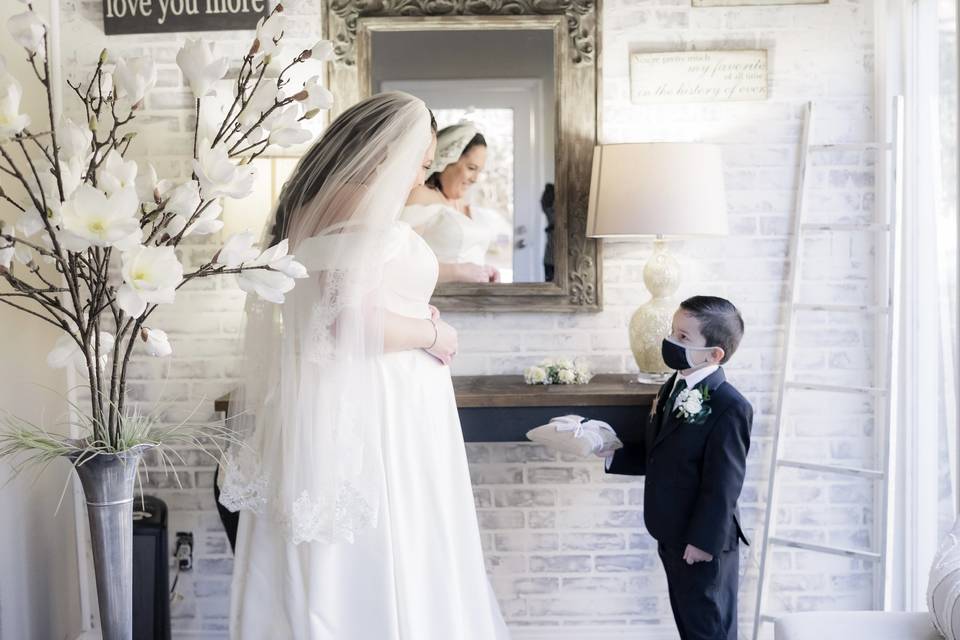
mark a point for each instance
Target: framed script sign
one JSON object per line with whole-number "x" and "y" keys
{"x": 698, "y": 76}
{"x": 154, "y": 16}
{"x": 751, "y": 3}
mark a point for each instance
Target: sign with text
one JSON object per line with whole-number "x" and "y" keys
{"x": 156, "y": 16}
{"x": 698, "y": 76}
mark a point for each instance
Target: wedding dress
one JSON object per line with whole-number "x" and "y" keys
{"x": 453, "y": 236}
{"x": 357, "y": 519}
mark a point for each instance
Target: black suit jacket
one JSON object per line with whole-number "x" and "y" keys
{"x": 694, "y": 472}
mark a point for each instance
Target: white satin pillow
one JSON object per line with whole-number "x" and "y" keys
{"x": 575, "y": 435}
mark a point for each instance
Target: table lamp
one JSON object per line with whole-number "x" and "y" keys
{"x": 659, "y": 190}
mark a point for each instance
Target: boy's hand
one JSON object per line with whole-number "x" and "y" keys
{"x": 691, "y": 554}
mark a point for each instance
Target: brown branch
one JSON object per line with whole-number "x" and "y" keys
{"x": 33, "y": 313}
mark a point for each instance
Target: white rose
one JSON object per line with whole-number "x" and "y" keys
{"x": 566, "y": 376}
{"x": 535, "y": 375}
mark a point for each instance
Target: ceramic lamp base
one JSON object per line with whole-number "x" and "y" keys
{"x": 652, "y": 321}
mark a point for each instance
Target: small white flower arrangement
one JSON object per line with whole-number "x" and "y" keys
{"x": 558, "y": 371}
{"x": 692, "y": 405}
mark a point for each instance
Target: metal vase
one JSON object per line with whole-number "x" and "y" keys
{"x": 108, "y": 482}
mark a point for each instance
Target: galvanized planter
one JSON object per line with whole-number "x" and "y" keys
{"x": 108, "y": 483}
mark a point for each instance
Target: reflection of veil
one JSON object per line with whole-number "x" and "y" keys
{"x": 451, "y": 141}
{"x": 307, "y": 414}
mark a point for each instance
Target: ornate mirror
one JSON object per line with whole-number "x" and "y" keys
{"x": 510, "y": 208}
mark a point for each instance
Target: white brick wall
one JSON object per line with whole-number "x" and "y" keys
{"x": 565, "y": 543}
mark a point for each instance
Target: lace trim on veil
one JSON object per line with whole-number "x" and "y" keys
{"x": 307, "y": 519}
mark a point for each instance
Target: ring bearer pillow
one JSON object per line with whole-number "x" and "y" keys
{"x": 576, "y": 435}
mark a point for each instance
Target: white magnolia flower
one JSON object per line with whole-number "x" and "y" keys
{"x": 27, "y": 29}
{"x": 103, "y": 87}
{"x": 134, "y": 77}
{"x": 71, "y": 175}
{"x": 6, "y": 255}
{"x": 270, "y": 284}
{"x": 269, "y": 30}
{"x": 146, "y": 184}
{"x": 183, "y": 199}
{"x": 66, "y": 351}
{"x": 208, "y": 221}
{"x": 278, "y": 258}
{"x": 156, "y": 342}
{"x": 28, "y": 222}
{"x": 236, "y": 250}
{"x": 74, "y": 140}
{"x": 321, "y": 51}
{"x": 116, "y": 173}
{"x": 150, "y": 275}
{"x": 535, "y": 375}
{"x": 263, "y": 97}
{"x": 318, "y": 96}
{"x": 12, "y": 122}
{"x": 219, "y": 176}
{"x": 90, "y": 218}
{"x": 284, "y": 128}
{"x": 200, "y": 67}
{"x": 205, "y": 223}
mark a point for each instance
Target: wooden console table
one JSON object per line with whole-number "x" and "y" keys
{"x": 503, "y": 408}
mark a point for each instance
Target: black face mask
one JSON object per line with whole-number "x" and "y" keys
{"x": 677, "y": 356}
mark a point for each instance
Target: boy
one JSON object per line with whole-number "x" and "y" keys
{"x": 693, "y": 451}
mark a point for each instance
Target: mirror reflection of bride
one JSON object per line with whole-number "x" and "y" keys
{"x": 460, "y": 235}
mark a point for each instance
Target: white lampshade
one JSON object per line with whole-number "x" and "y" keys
{"x": 657, "y": 189}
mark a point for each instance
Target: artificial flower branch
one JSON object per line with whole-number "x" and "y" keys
{"x": 86, "y": 209}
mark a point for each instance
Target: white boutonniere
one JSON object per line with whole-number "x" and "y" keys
{"x": 692, "y": 405}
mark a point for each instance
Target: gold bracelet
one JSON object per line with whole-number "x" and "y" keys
{"x": 436, "y": 333}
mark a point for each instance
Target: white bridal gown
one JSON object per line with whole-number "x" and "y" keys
{"x": 420, "y": 574}
{"x": 453, "y": 236}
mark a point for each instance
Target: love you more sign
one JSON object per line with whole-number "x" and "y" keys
{"x": 155, "y": 16}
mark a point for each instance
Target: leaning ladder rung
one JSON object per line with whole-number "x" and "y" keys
{"x": 819, "y": 548}
{"x": 844, "y": 226}
{"x": 838, "y": 388}
{"x": 850, "y": 146}
{"x": 864, "y": 308}
{"x": 830, "y": 468}
{"x": 766, "y": 617}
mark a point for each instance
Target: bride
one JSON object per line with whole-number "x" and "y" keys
{"x": 357, "y": 518}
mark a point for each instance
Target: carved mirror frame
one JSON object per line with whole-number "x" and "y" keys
{"x": 577, "y": 283}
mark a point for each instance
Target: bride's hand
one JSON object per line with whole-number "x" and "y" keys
{"x": 446, "y": 344}
{"x": 493, "y": 274}
{"x": 470, "y": 272}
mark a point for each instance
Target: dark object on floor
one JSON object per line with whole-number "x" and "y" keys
{"x": 151, "y": 570}
{"x": 229, "y": 519}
